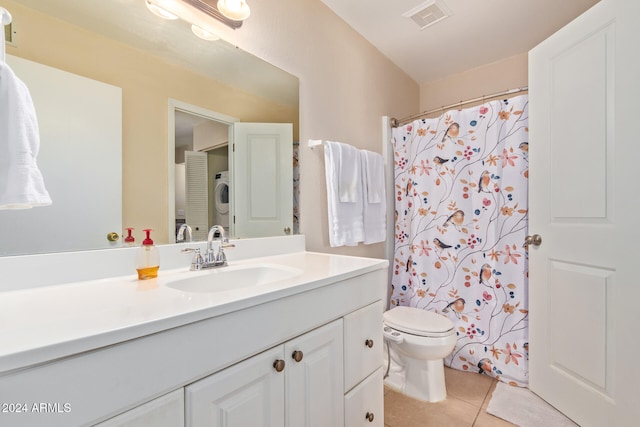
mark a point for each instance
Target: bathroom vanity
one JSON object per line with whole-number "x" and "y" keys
{"x": 287, "y": 340}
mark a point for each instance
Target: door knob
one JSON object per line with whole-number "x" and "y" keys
{"x": 113, "y": 236}
{"x": 297, "y": 355}
{"x": 535, "y": 240}
{"x": 278, "y": 365}
{"x": 369, "y": 417}
{"x": 287, "y": 230}
{"x": 369, "y": 343}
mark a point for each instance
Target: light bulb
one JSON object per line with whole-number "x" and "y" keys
{"x": 158, "y": 11}
{"x": 237, "y": 10}
{"x": 204, "y": 34}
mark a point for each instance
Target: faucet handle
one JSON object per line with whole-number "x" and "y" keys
{"x": 197, "y": 262}
{"x": 221, "y": 257}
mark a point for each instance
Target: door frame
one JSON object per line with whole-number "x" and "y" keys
{"x": 173, "y": 106}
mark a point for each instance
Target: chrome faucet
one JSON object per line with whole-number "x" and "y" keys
{"x": 219, "y": 258}
{"x": 180, "y": 237}
{"x": 211, "y": 258}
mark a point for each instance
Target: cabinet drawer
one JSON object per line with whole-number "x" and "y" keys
{"x": 364, "y": 406}
{"x": 362, "y": 343}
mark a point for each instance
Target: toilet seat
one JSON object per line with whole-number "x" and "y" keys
{"x": 418, "y": 322}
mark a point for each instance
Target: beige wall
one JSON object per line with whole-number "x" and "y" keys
{"x": 491, "y": 78}
{"x": 146, "y": 84}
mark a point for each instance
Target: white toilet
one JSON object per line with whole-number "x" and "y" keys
{"x": 418, "y": 341}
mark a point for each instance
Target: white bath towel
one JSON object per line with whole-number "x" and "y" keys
{"x": 375, "y": 206}
{"x": 346, "y": 224}
{"x": 21, "y": 183}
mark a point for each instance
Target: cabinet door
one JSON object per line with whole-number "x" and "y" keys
{"x": 314, "y": 380}
{"x": 364, "y": 405}
{"x": 165, "y": 411}
{"x": 362, "y": 343}
{"x": 250, "y": 393}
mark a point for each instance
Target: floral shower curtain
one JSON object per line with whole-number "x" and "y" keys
{"x": 461, "y": 221}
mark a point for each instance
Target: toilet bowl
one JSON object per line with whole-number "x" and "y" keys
{"x": 418, "y": 341}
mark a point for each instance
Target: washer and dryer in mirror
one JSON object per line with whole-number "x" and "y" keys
{"x": 221, "y": 199}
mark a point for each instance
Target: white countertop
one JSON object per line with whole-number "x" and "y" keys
{"x": 42, "y": 324}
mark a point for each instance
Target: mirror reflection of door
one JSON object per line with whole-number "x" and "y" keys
{"x": 247, "y": 189}
{"x": 80, "y": 128}
{"x": 263, "y": 179}
{"x": 202, "y": 159}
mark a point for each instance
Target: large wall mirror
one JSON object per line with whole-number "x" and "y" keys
{"x": 152, "y": 61}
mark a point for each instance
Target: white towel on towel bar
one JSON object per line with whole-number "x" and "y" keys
{"x": 350, "y": 185}
{"x": 346, "y": 223}
{"x": 375, "y": 206}
{"x": 21, "y": 183}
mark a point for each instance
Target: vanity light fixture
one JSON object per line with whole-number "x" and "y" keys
{"x": 158, "y": 11}
{"x": 204, "y": 34}
{"x": 237, "y": 10}
{"x": 199, "y": 13}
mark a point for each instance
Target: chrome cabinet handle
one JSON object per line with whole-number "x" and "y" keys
{"x": 297, "y": 355}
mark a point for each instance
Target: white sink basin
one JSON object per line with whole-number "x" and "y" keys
{"x": 223, "y": 279}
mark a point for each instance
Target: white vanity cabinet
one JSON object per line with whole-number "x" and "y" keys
{"x": 298, "y": 383}
{"x": 217, "y": 368}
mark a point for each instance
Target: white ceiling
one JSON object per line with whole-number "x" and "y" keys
{"x": 478, "y": 32}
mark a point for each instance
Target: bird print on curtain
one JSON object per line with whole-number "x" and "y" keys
{"x": 461, "y": 220}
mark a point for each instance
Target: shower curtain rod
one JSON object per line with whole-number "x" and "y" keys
{"x": 395, "y": 122}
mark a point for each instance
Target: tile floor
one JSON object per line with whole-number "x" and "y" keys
{"x": 468, "y": 395}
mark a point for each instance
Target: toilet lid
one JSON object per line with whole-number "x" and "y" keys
{"x": 420, "y": 322}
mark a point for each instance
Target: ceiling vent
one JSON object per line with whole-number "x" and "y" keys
{"x": 428, "y": 13}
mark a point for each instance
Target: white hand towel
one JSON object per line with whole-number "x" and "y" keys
{"x": 21, "y": 183}
{"x": 375, "y": 206}
{"x": 346, "y": 226}
{"x": 349, "y": 178}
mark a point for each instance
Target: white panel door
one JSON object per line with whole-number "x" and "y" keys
{"x": 261, "y": 180}
{"x": 197, "y": 193}
{"x": 80, "y": 122}
{"x": 314, "y": 378}
{"x": 250, "y": 393}
{"x": 583, "y": 280}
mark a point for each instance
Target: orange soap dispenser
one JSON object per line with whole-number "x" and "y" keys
{"x": 147, "y": 259}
